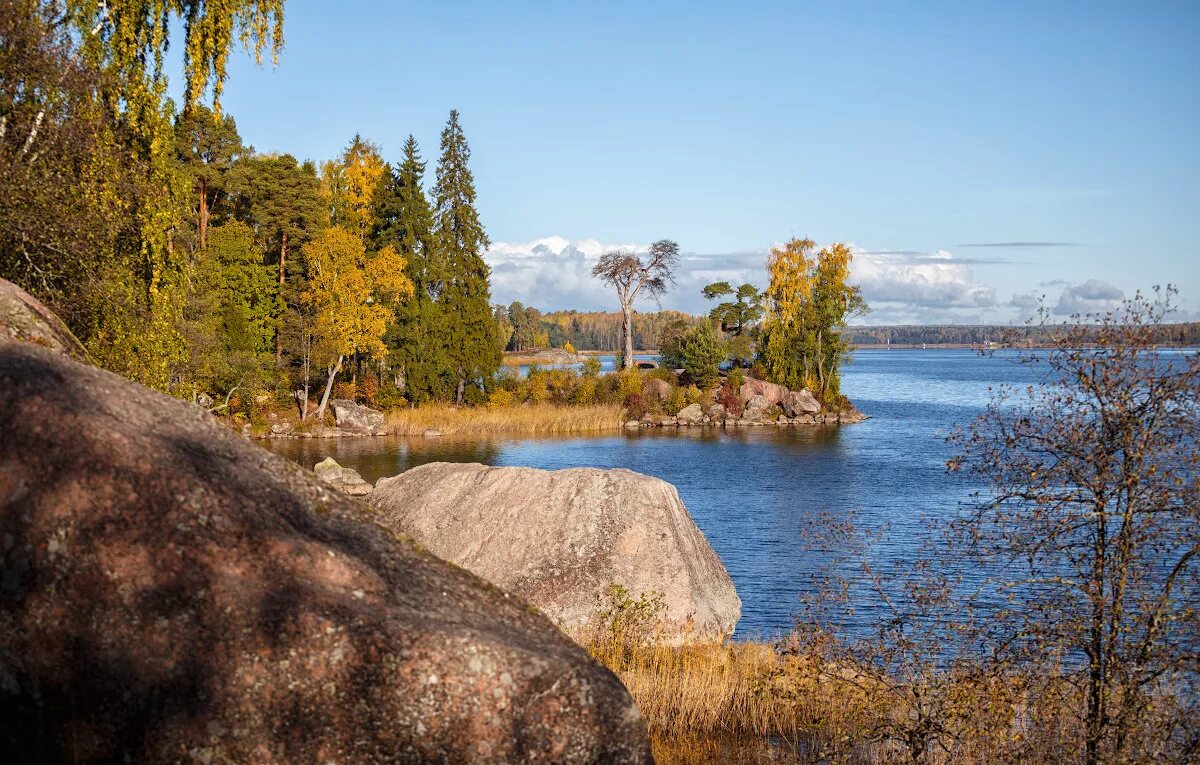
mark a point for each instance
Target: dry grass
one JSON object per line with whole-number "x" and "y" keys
{"x": 520, "y": 418}
{"x": 738, "y": 688}
{"x": 750, "y": 702}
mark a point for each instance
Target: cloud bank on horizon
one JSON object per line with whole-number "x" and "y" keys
{"x": 901, "y": 286}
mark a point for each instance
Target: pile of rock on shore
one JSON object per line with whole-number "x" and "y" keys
{"x": 762, "y": 403}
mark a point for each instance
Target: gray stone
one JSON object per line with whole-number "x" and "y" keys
{"x": 558, "y": 538}
{"x": 341, "y": 478}
{"x": 175, "y": 593}
{"x": 355, "y": 418}
{"x": 692, "y": 414}
{"x": 798, "y": 402}
{"x": 759, "y": 409}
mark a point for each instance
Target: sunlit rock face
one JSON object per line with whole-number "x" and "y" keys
{"x": 560, "y": 538}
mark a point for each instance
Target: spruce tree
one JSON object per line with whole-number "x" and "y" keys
{"x": 417, "y": 339}
{"x": 465, "y": 300}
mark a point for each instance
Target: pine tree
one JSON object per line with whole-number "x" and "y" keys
{"x": 465, "y": 300}
{"x": 280, "y": 199}
{"x": 417, "y": 339}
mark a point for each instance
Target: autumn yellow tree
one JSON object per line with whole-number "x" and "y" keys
{"x": 808, "y": 300}
{"x": 348, "y": 296}
{"x": 351, "y": 184}
{"x": 787, "y": 302}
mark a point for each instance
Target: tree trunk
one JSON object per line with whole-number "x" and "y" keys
{"x": 203, "y": 215}
{"x": 279, "y": 326}
{"x": 821, "y": 365}
{"x": 627, "y": 330}
{"x": 460, "y": 396}
{"x": 333, "y": 370}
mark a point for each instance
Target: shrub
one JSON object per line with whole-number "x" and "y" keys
{"x": 636, "y": 406}
{"x": 591, "y": 366}
{"x": 737, "y": 378}
{"x": 501, "y": 398}
{"x": 346, "y": 390}
{"x": 758, "y": 371}
{"x": 629, "y": 381}
{"x": 664, "y": 374}
{"x": 370, "y": 391}
{"x": 693, "y": 395}
{"x": 586, "y": 391}
{"x": 728, "y": 398}
{"x": 675, "y": 401}
{"x": 627, "y": 622}
{"x": 569, "y": 348}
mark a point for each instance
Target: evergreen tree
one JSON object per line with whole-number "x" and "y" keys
{"x": 280, "y": 199}
{"x": 417, "y": 338}
{"x": 208, "y": 146}
{"x": 470, "y": 329}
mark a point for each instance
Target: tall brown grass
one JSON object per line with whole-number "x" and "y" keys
{"x": 755, "y": 701}
{"x": 519, "y": 418}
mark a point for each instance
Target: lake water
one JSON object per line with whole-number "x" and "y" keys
{"x": 757, "y": 493}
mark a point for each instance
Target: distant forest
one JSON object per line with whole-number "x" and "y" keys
{"x": 601, "y": 331}
{"x": 978, "y": 334}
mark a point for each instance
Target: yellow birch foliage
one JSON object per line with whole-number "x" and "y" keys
{"x": 787, "y": 300}
{"x": 349, "y": 186}
{"x": 348, "y": 291}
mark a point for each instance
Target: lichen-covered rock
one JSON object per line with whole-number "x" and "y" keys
{"x": 754, "y": 387}
{"x": 23, "y": 317}
{"x": 341, "y": 478}
{"x": 170, "y": 592}
{"x": 354, "y": 417}
{"x": 558, "y": 538}
{"x": 797, "y": 402}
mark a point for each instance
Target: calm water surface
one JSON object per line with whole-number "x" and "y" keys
{"x": 757, "y": 492}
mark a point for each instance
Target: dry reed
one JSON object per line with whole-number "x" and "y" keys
{"x": 520, "y": 418}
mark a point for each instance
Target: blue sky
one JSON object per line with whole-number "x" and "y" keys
{"x": 975, "y": 154}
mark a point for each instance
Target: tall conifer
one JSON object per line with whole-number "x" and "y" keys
{"x": 470, "y": 328}
{"x": 417, "y": 340}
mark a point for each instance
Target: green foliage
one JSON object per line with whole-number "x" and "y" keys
{"x": 591, "y": 366}
{"x": 469, "y": 331}
{"x": 810, "y": 299}
{"x": 626, "y": 620}
{"x": 676, "y": 400}
{"x": 737, "y": 378}
{"x": 700, "y": 352}
{"x": 735, "y": 316}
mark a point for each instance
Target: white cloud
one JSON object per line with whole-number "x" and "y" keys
{"x": 936, "y": 281}
{"x": 554, "y": 272}
{"x": 1093, "y": 296}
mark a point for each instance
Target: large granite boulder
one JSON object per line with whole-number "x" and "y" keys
{"x": 23, "y": 317}
{"x": 356, "y": 418}
{"x": 798, "y": 402}
{"x": 754, "y": 387}
{"x": 170, "y": 592}
{"x": 558, "y": 538}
